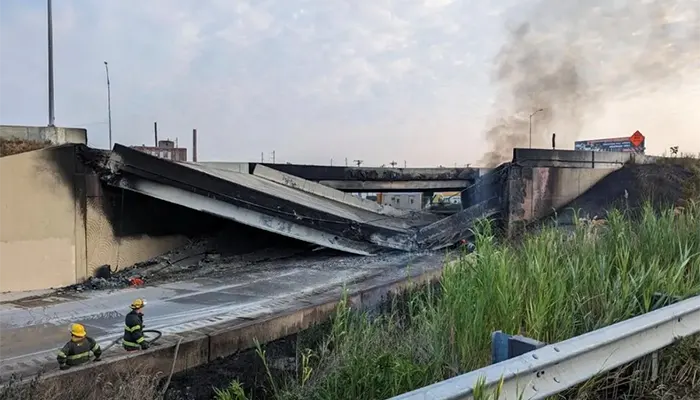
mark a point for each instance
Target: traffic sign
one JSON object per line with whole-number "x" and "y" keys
{"x": 637, "y": 139}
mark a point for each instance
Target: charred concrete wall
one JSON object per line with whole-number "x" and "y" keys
{"x": 577, "y": 159}
{"x": 112, "y": 233}
{"x": 123, "y": 227}
{"x": 537, "y": 192}
{"x": 59, "y": 222}
{"x": 542, "y": 181}
{"x": 38, "y": 246}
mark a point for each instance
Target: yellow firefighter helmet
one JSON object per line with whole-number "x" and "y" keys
{"x": 138, "y": 304}
{"x": 77, "y": 330}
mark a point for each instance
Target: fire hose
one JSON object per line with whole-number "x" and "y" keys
{"x": 158, "y": 334}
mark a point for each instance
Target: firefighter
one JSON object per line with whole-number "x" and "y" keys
{"x": 77, "y": 351}
{"x": 133, "y": 330}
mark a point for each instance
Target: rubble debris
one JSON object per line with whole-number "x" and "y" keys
{"x": 135, "y": 282}
{"x": 103, "y": 271}
{"x": 93, "y": 283}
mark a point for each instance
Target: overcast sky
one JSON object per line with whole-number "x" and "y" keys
{"x": 316, "y": 80}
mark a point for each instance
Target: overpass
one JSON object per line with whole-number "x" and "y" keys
{"x": 215, "y": 315}
{"x": 370, "y": 179}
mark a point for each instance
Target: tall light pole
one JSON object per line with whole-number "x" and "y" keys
{"x": 541, "y": 109}
{"x": 52, "y": 116}
{"x": 109, "y": 106}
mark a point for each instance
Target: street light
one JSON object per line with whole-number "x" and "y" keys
{"x": 52, "y": 116}
{"x": 541, "y": 109}
{"x": 109, "y": 106}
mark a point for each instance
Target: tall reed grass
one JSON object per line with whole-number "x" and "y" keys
{"x": 551, "y": 286}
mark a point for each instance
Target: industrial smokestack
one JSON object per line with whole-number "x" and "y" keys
{"x": 194, "y": 145}
{"x": 155, "y": 132}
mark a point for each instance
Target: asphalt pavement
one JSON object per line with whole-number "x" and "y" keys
{"x": 33, "y": 329}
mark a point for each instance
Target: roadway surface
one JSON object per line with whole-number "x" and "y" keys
{"x": 33, "y": 329}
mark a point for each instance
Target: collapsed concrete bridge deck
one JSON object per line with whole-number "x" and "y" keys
{"x": 255, "y": 199}
{"x": 257, "y": 303}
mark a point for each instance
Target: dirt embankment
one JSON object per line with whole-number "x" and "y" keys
{"x": 670, "y": 182}
{"x": 12, "y": 146}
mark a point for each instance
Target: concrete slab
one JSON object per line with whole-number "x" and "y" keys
{"x": 240, "y": 167}
{"x": 245, "y": 216}
{"x": 263, "y": 204}
{"x": 321, "y": 203}
{"x": 16, "y": 296}
{"x": 325, "y": 191}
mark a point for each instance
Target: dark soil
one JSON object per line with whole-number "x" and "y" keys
{"x": 664, "y": 184}
{"x": 248, "y": 368}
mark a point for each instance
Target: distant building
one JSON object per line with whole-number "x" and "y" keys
{"x": 166, "y": 149}
{"x": 446, "y": 198}
{"x": 403, "y": 201}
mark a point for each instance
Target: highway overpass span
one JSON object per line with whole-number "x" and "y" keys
{"x": 370, "y": 179}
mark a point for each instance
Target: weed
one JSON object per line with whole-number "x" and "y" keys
{"x": 12, "y": 146}
{"x": 550, "y": 286}
{"x": 116, "y": 383}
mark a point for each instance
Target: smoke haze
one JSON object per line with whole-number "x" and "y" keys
{"x": 572, "y": 60}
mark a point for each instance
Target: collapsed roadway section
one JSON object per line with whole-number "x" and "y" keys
{"x": 276, "y": 202}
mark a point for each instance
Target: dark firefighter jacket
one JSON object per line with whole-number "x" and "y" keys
{"x": 77, "y": 351}
{"x": 133, "y": 332}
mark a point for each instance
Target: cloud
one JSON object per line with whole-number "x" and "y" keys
{"x": 576, "y": 62}
{"x": 313, "y": 80}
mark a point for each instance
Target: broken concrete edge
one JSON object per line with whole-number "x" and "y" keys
{"x": 54, "y": 134}
{"x": 250, "y": 192}
{"x": 324, "y": 191}
{"x": 242, "y": 215}
{"x": 182, "y": 351}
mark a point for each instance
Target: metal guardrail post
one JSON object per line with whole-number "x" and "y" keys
{"x": 504, "y": 346}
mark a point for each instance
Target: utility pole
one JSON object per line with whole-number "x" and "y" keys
{"x": 273, "y": 156}
{"x": 541, "y": 109}
{"x": 262, "y": 157}
{"x": 346, "y": 161}
{"x": 109, "y": 106}
{"x": 331, "y": 162}
{"x": 155, "y": 133}
{"x": 52, "y": 116}
{"x": 404, "y": 163}
{"x": 358, "y": 162}
{"x": 194, "y": 145}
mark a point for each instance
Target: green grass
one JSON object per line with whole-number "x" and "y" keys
{"x": 551, "y": 286}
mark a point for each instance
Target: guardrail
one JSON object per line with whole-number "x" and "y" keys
{"x": 554, "y": 368}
